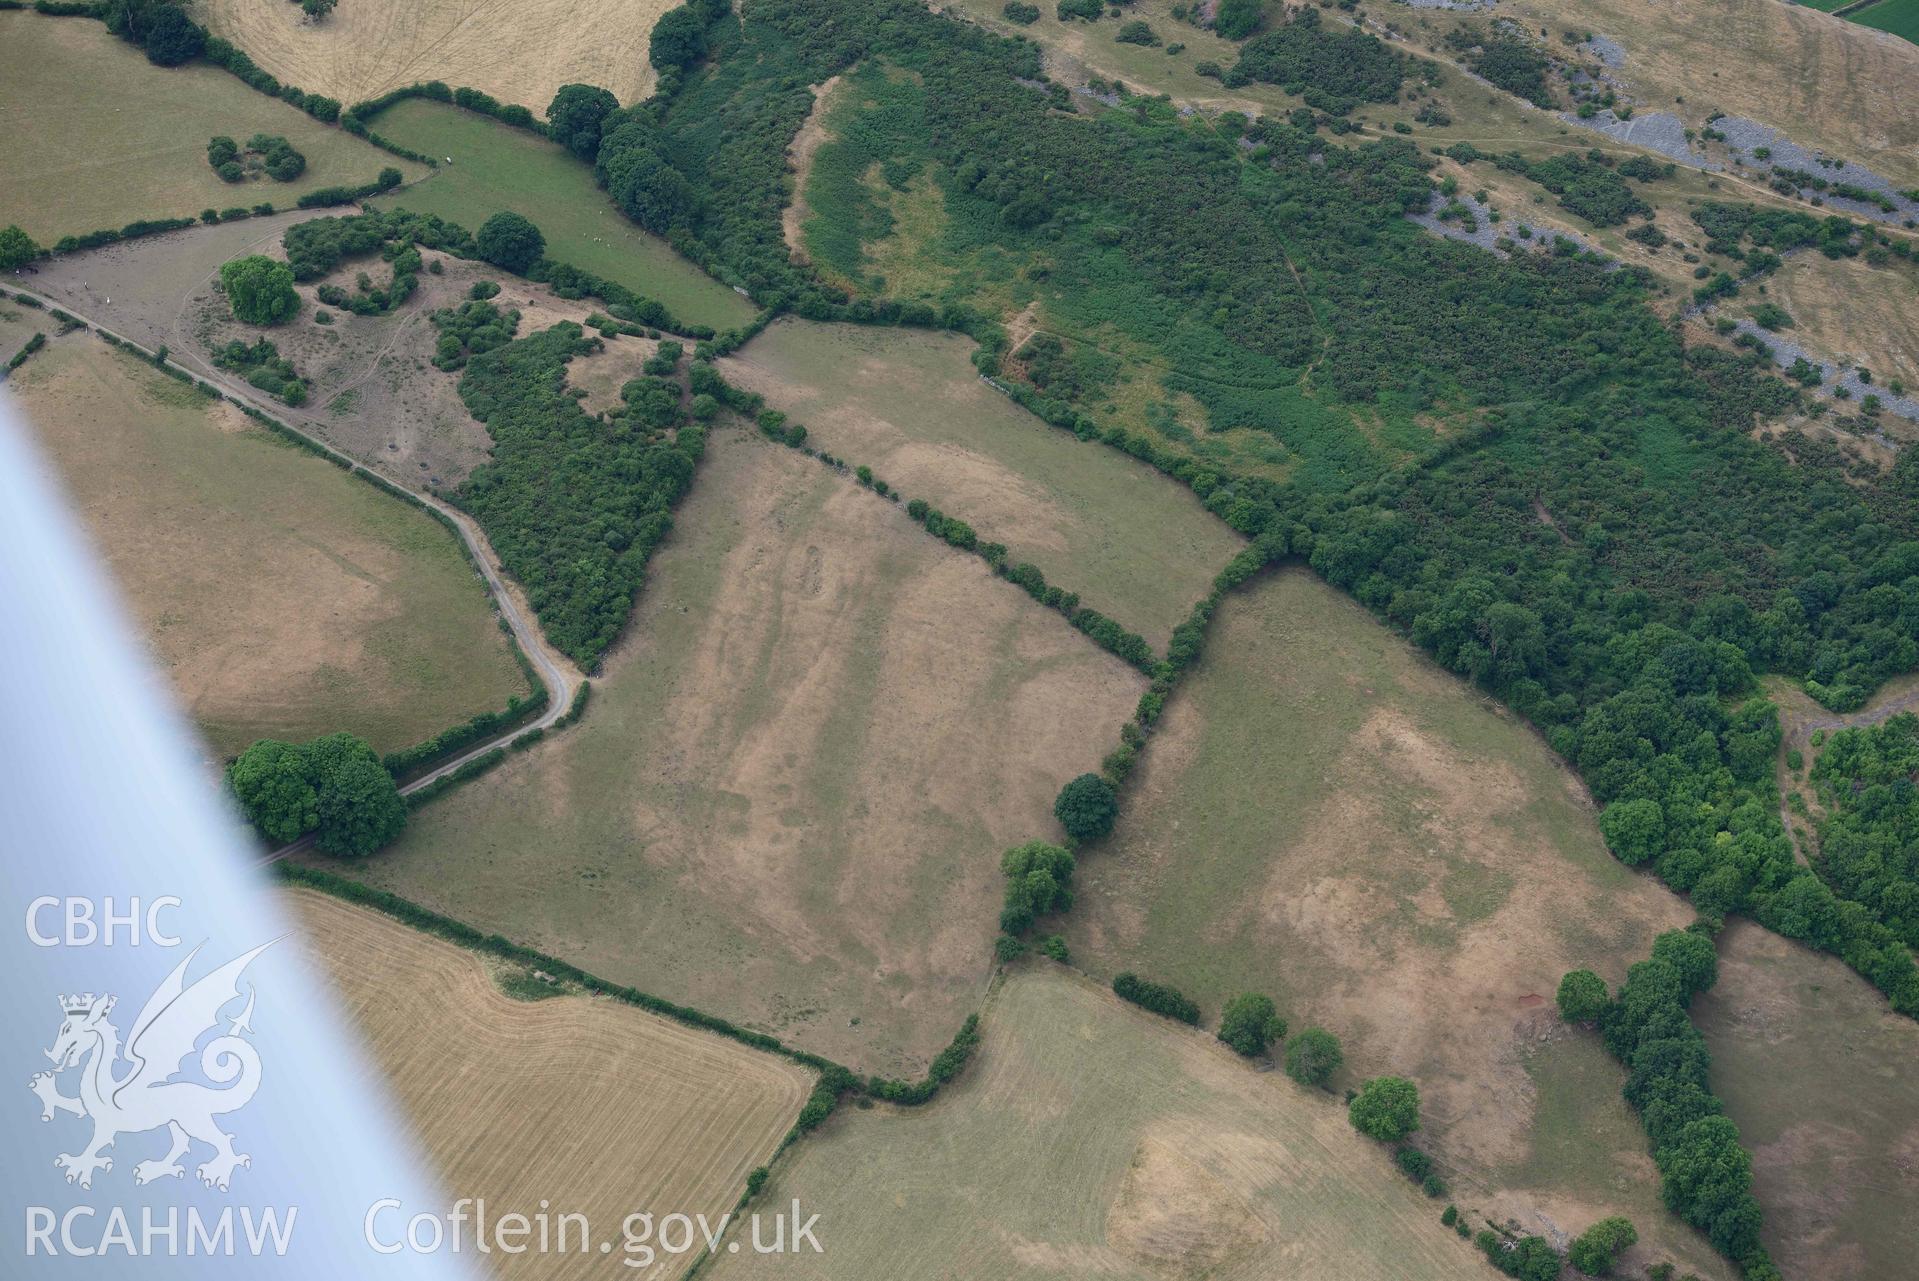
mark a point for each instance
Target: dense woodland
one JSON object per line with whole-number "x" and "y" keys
{"x": 573, "y": 503}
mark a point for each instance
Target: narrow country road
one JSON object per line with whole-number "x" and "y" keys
{"x": 556, "y": 673}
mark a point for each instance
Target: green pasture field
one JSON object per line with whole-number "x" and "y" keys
{"x": 497, "y": 167}
{"x": 1901, "y": 17}
{"x": 97, "y": 136}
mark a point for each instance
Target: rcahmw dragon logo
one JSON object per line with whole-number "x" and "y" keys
{"x": 145, "y": 1096}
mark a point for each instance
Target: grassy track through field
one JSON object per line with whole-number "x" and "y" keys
{"x": 495, "y": 167}
{"x": 96, "y": 136}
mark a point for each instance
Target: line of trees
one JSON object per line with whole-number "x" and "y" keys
{"x": 1705, "y": 1175}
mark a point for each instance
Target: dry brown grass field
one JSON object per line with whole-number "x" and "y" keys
{"x": 1854, "y": 312}
{"x": 518, "y": 53}
{"x": 1325, "y": 817}
{"x": 95, "y": 136}
{"x": 1824, "y": 81}
{"x": 1090, "y": 1139}
{"x": 1819, "y": 1075}
{"x": 910, "y": 404}
{"x": 787, "y": 801}
{"x": 281, "y": 597}
{"x": 594, "y": 1106}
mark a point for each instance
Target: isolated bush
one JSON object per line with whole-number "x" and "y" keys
{"x": 1313, "y": 1056}
{"x": 1237, "y": 19}
{"x": 1136, "y": 32}
{"x": 260, "y": 290}
{"x": 1582, "y": 997}
{"x": 510, "y": 242}
{"x": 1250, "y": 1023}
{"x": 16, "y": 248}
{"x": 1024, "y": 14}
{"x": 1386, "y": 1108}
{"x": 1039, "y": 879}
{"x": 1598, "y": 1247}
{"x": 1086, "y": 807}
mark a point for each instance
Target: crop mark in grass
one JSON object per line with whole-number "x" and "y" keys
{"x": 884, "y": 702}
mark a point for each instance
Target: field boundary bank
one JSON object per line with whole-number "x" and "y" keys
{"x": 559, "y": 698}
{"x": 1107, "y": 633}
{"x": 836, "y": 1080}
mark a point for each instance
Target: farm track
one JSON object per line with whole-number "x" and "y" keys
{"x": 556, "y": 674}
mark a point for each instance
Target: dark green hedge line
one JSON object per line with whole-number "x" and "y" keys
{"x": 224, "y": 55}
{"x": 510, "y": 114}
{"x": 411, "y": 761}
{"x": 576, "y": 708}
{"x": 447, "y": 782}
{"x": 329, "y": 197}
{"x": 1156, "y": 997}
{"x": 132, "y": 231}
{"x": 1705, "y": 1174}
{"x": 1101, "y": 630}
{"x": 835, "y": 1080}
{"x": 34, "y": 344}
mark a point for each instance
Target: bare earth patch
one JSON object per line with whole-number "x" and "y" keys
{"x": 1818, "y": 1073}
{"x": 1090, "y": 1139}
{"x": 282, "y": 597}
{"x": 787, "y": 803}
{"x": 799, "y": 155}
{"x": 1326, "y": 818}
{"x": 592, "y": 1106}
{"x": 518, "y": 53}
{"x": 374, "y": 391}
